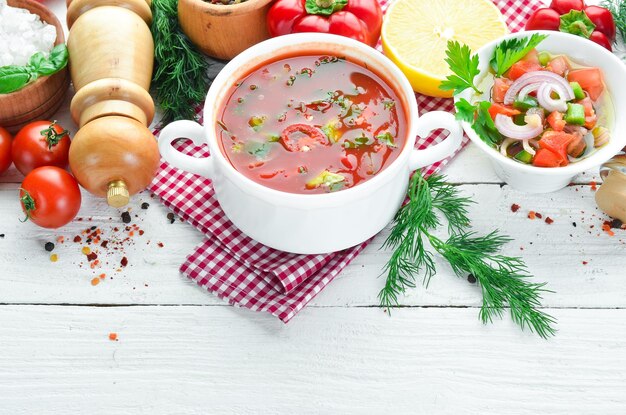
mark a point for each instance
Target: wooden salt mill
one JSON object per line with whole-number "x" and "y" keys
{"x": 114, "y": 154}
{"x": 611, "y": 196}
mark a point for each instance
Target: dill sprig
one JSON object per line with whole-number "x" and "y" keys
{"x": 503, "y": 279}
{"x": 181, "y": 72}
{"x": 618, "y": 10}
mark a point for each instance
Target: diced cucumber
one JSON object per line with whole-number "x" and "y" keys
{"x": 575, "y": 114}
{"x": 544, "y": 58}
{"x": 578, "y": 90}
{"x": 524, "y": 156}
{"x": 527, "y": 103}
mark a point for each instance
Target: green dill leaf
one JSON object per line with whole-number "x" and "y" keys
{"x": 618, "y": 10}
{"x": 511, "y": 51}
{"x": 465, "y": 111}
{"x": 464, "y": 67}
{"x": 503, "y": 280}
{"x": 180, "y": 76}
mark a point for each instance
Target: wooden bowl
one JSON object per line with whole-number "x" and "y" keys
{"x": 223, "y": 31}
{"x": 39, "y": 99}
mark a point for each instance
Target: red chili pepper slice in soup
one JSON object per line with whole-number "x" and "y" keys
{"x": 302, "y": 137}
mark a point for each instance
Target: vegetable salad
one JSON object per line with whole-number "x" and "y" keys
{"x": 536, "y": 108}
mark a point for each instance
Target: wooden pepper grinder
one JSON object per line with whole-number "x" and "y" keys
{"x": 611, "y": 196}
{"x": 114, "y": 154}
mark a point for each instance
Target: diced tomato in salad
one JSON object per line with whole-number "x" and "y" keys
{"x": 558, "y": 65}
{"x": 547, "y": 158}
{"x": 589, "y": 79}
{"x": 500, "y": 87}
{"x": 556, "y": 142}
{"x": 556, "y": 121}
{"x": 496, "y": 109}
{"x": 521, "y": 67}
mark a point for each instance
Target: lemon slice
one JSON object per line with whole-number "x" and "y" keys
{"x": 415, "y": 35}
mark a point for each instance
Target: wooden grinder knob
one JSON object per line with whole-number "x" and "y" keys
{"x": 114, "y": 157}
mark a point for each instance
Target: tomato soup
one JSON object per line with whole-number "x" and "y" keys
{"x": 311, "y": 124}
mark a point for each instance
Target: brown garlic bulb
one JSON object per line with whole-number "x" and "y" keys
{"x": 611, "y": 196}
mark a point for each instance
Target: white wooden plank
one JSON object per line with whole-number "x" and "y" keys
{"x": 199, "y": 360}
{"x": 555, "y": 253}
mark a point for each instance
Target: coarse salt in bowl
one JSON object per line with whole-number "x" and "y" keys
{"x": 22, "y": 34}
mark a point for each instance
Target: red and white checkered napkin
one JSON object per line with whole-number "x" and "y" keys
{"x": 247, "y": 273}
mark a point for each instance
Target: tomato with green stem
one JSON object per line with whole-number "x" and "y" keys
{"x": 5, "y": 150}
{"x": 50, "y": 197}
{"x": 40, "y": 143}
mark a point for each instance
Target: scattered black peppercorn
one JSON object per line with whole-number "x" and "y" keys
{"x": 574, "y": 223}
{"x": 471, "y": 279}
{"x": 1, "y": 235}
{"x": 145, "y": 205}
{"x": 171, "y": 217}
{"x": 49, "y": 246}
{"x": 126, "y": 217}
{"x": 93, "y": 228}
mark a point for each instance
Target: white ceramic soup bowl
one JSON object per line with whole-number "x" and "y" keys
{"x": 309, "y": 223}
{"x": 582, "y": 51}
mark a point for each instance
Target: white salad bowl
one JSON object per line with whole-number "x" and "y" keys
{"x": 582, "y": 51}
{"x": 309, "y": 223}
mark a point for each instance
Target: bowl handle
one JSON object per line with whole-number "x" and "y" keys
{"x": 432, "y": 121}
{"x": 185, "y": 129}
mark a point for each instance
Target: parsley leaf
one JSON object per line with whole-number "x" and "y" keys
{"x": 465, "y": 111}
{"x": 464, "y": 66}
{"x": 484, "y": 125}
{"x": 510, "y": 51}
{"x": 480, "y": 119}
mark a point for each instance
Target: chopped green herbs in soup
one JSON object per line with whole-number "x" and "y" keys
{"x": 311, "y": 124}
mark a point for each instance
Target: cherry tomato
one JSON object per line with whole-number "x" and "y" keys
{"x": 601, "y": 39}
{"x": 5, "y": 150}
{"x": 50, "y": 197}
{"x": 603, "y": 19}
{"x": 40, "y": 143}
{"x": 565, "y": 6}
{"x": 544, "y": 19}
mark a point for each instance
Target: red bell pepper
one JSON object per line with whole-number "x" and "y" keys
{"x": 573, "y": 16}
{"x": 356, "y": 19}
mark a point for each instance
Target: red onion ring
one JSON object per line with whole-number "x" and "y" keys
{"x": 506, "y": 127}
{"x": 538, "y": 77}
{"x": 544, "y": 97}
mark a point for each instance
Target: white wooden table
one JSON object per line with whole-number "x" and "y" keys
{"x": 181, "y": 350}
